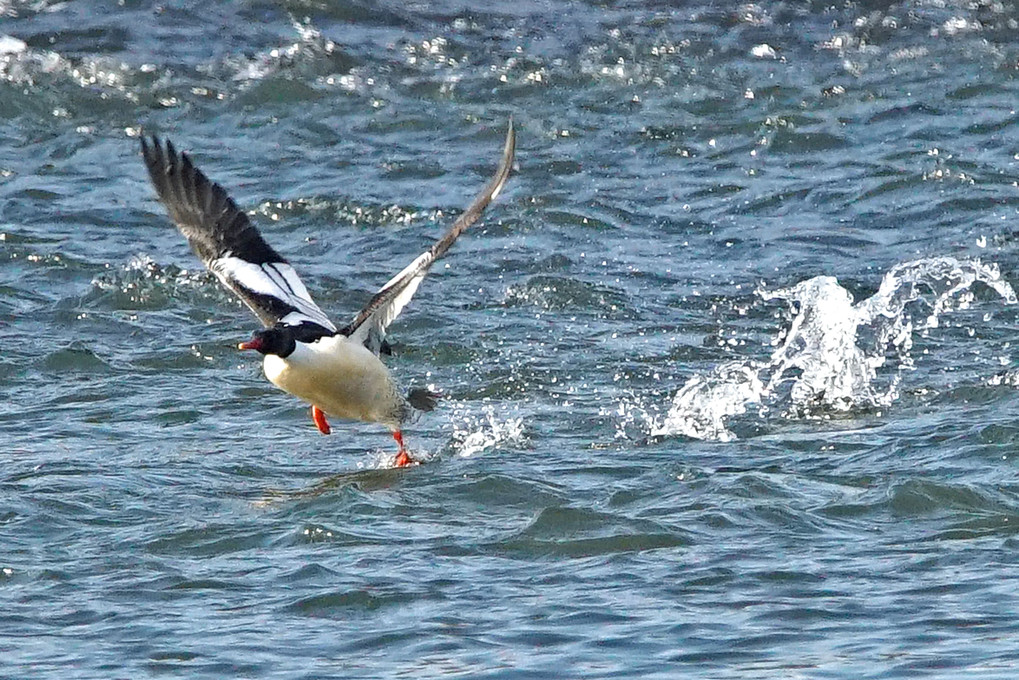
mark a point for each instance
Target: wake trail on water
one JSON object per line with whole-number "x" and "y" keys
{"x": 836, "y": 355}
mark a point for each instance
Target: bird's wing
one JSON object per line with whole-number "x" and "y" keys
{"x": 369, "y": 326}
{"x": 229, "y": 245}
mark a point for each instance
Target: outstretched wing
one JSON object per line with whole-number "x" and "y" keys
{"x": 369, "y": 326}
{"x": 229, "y": 245}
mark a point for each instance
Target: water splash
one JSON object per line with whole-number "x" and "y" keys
{"x": 701, "y": 407}
{"x": 830, "y": 357}
{"x": 474, "y": 433}
{"x": 11, "y": 45}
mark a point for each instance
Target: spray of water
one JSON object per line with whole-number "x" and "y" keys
{"x": 830, "y": 359}
{"x": 474, "y": 432}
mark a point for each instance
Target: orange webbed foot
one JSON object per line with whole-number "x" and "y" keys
{"x": 403, "y": 458}
{"x": 319, "y": 416}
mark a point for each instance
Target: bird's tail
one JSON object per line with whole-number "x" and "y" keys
{"x": 423, "y": 399}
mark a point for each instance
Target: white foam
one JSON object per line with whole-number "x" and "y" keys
{"x": 11, "y": 45}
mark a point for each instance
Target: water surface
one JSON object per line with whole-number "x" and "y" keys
{"x": 728, "y": 367}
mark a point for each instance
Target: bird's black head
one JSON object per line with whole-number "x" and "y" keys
{"x": 279, "y": 341}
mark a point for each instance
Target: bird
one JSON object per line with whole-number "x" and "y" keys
{"x": 337, "y": 370}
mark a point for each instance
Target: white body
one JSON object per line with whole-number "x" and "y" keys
{"x": 340, "y": 374}
{"x": 342, "y": 377}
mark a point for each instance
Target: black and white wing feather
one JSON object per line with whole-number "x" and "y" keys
{"x": 230, "y": 246}
{"x": 369, "y": 326}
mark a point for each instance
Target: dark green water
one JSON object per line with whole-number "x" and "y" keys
{"x": 667, "y": 449}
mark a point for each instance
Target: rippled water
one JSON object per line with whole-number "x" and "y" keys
{"x": 728, "y": 367}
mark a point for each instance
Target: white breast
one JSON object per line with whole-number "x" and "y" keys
{"x": 341, "y": 377}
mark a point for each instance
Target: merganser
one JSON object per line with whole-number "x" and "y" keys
{"x": 337, "y": 370}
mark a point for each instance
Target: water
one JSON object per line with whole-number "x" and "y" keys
{"x": 832, "y": 349}
{"x": 728, "y": 367}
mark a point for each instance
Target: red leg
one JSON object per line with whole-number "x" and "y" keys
{"x": 319, "y": 416}
{"x": 402, "y": 458}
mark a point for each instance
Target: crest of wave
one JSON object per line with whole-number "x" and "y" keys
{"x": 828, "y": 359}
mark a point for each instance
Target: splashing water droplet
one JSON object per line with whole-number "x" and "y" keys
{"x": 830, "y": 356}
{"x": 477, "y": 433}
